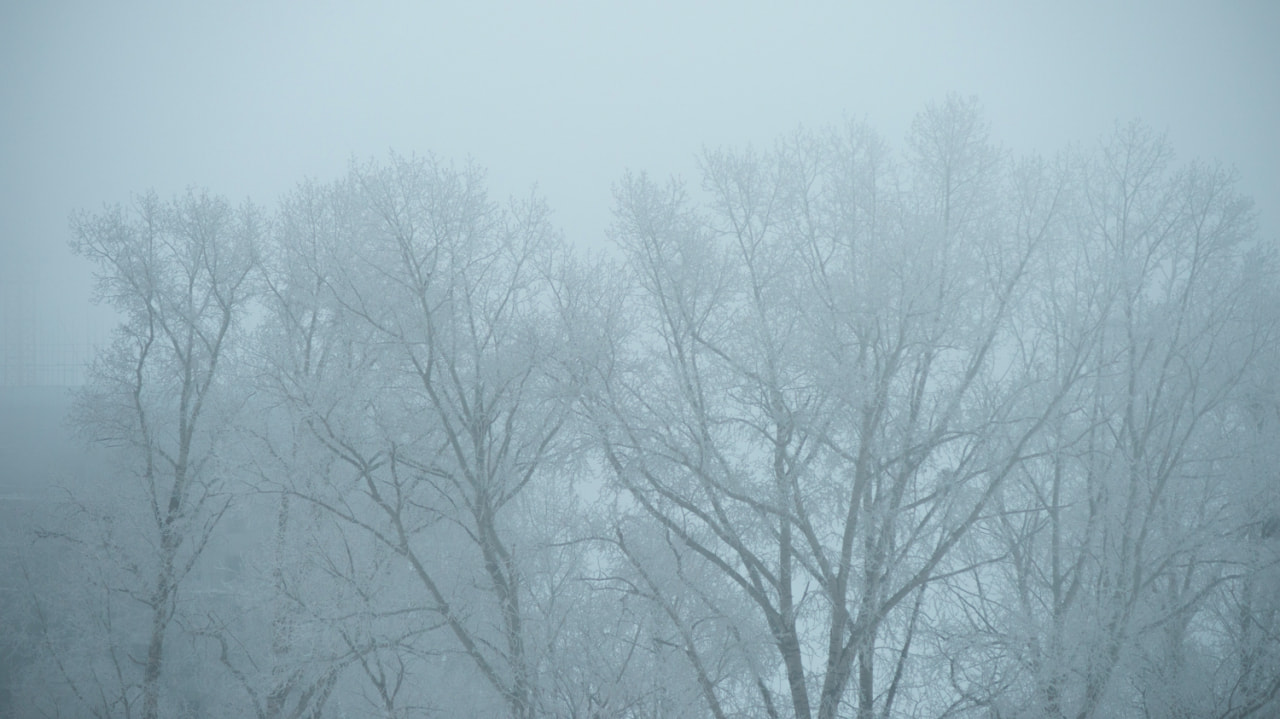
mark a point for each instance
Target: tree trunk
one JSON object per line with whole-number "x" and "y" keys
{"x": 161, "y": 603}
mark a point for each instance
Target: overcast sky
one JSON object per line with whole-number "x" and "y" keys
{"x": 100, "y": 100}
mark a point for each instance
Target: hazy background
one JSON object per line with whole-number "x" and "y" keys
{"x": 102, "y": 100}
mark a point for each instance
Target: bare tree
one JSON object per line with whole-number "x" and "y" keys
{"x": 425, "y": 363}
{"x": 179, "y": 273}
{"x": 844, "y": 432}
{"x": 829, "y": 396}
{"x": 1118, "y": 536}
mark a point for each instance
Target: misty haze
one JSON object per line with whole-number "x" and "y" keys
{"x": 584, "y": 361}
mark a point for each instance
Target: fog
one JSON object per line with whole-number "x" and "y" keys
{"x": 103, "y": 101}
{"x": 594, "y": 360}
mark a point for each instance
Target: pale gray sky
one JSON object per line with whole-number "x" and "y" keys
{"x": 102, "y": 100}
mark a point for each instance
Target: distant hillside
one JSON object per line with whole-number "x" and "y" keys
{"x": 39, "y": 456}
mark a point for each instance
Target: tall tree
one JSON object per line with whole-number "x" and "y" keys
{"x": 1119, "y": 535}
{"x": 820, "y": 410}
{"x": 179, "y": 274}
{"x": 423, "y": 359}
